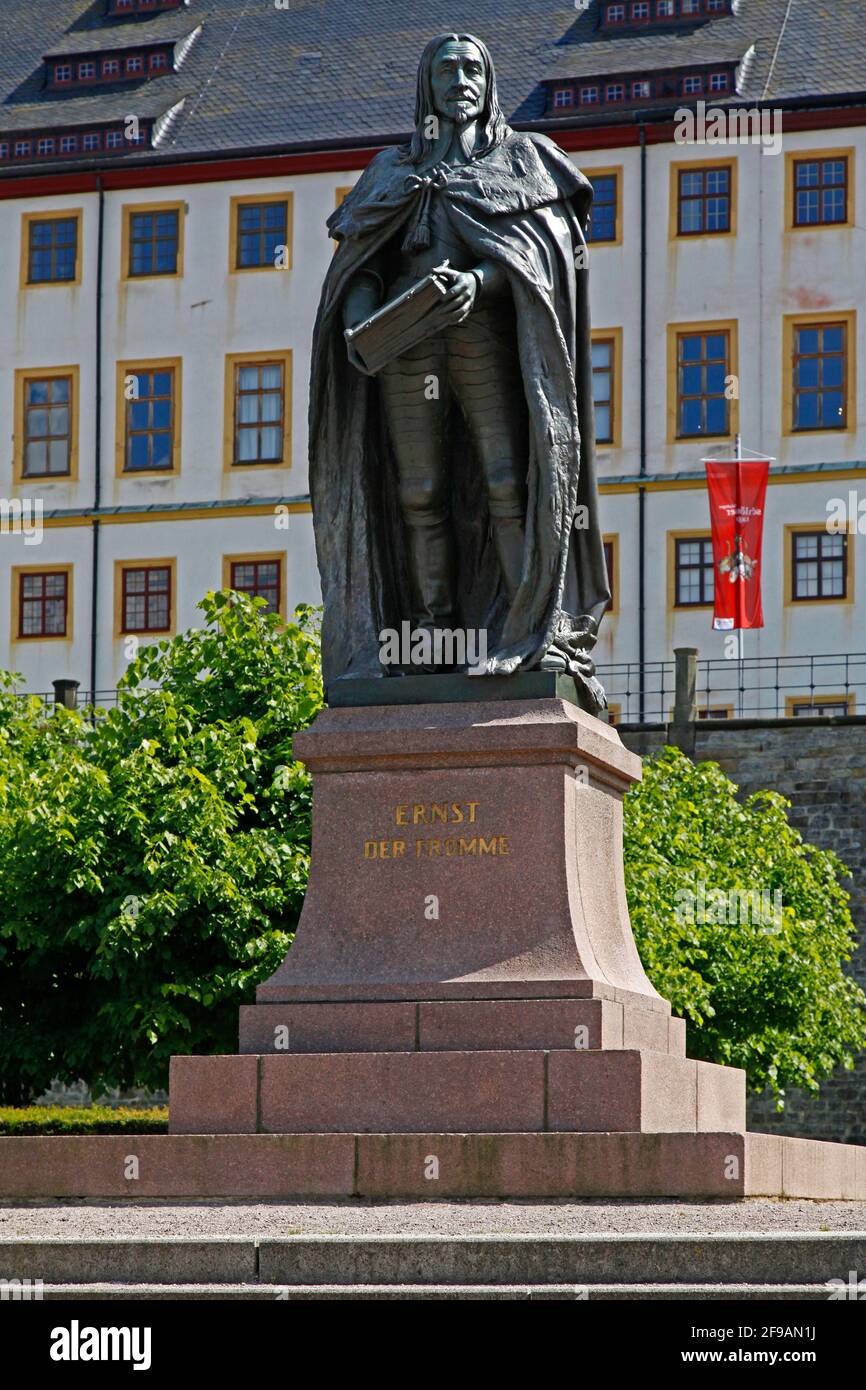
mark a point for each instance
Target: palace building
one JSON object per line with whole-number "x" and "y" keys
{"x": 166, "y": 171}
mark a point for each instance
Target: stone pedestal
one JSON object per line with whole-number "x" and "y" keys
{"x": 464, "y": 992}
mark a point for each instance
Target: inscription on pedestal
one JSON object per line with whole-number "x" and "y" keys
{"x": 469, "y": 843}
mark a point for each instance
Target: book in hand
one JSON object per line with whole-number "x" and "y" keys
{"x": 399, "y": 324}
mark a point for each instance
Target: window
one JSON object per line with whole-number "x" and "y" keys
{"x": 259, "y": 391}
{"x": 611, "y": 562}
{"x": 4, "y": 149}
{"x": 664, "y": 9}
{"x": 718, "y": 81}
{"x": 690, "y": 7}
{"x": 135, "y": 64}
{"x": 715, "y": 6}
{"x": 22, "y": 148}
{"x": 150, "y": 395}
{"x": 157, "y": 61}
{"x": 52, "y": 249}
{"x": 146, "y": 598}
{"x": 43, "y": 603}
{"x": 68, "y": 144}
{"x": 604, "y": 217}
{"x": 819, "y": 566}
{"x": 693, "y": 571}
{"x": 113, "y": 138}
{"x": 615, "y": 14}
{"x": 702, "y": 366}
{"x": 603, "y": 354}
{"x": 564, "y": 97}
{"x": 692, "y": 84}
{"x": 47, "y": 426}
{"x": 820, "y": 192}
{"x": 820, "y": 387}
{"x": 614, "y": 91}
{"x": 154, "y": 241}
{"x": 62, "y": 72}
{"x": 716, "y": 712}
{"x": 640, "y": 9}
{"x": 588, "y": 95}
{"x": 258, "y": 576}
{"x": 641, "y": 89}
{"x": 86, "y": 71}
{"x": 260, "y": 228}
{"x": 45, "y": 146}
{"x": 704, "y": 200}
{"x": 819, "y": 706}
{"x": 91, "y": 141}
{"x": 111, "y": 67}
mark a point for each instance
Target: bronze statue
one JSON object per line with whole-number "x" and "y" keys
{"x": 456, "y": 486}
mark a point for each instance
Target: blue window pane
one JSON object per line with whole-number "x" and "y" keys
{"x": 717, "y": 214}
{"x": 602, "y": 422}
{"x": 806, "y": 374}
{"x": 249, "y": 250}
{"x": 717, "y": 416}
{"x": 161, "y": 416}
{"x": 142, "y": 258}
{"x": 691, "y": 380}
{"x": 807, "y": 174}
{"x": 37, "y": 392}
{"x": 249, "y": 218}
{"x": 807, "y": 206}
{"x": 807, "y": 340}
{"x": 716, "y": 378}
{"x": 691, "y": 185}
{"x": 832, "y": 410}
{"x": 138, "y": 451}
{"x": 691, "y": 417}
{"x": 806, "y": 412}
{"x": 161, "y": 451}
{"x": 41, "y": 233}
{"x": 604, "y": 188}
{"x": 717, "y": 180}
{"x": 275, "y": 215}
{"x": 166, "y": 224}
{"x": 162, "y": 383}
{"x": 833, "y": 371}
{"x": 142, "y": 225}
{"x": 138, "y": 415}
{"x": 834, "y": 205}
{"x": 716, "y": 345}
{"x": 833, "y": 338}
{"x": 64, "y": 263}
{"x": 166, "y": 256}
{"x": 690, "y": 349}
{"x": 691, "y": 216}
{"x": 834, "y": 171}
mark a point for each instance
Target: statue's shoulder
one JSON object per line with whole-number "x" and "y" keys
{"x": 555, "y": 161}
{"x": 377, "y": 173}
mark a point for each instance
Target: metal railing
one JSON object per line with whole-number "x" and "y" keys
{"x": 758, "y": 687}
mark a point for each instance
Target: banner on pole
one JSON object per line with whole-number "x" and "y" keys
{"x": 737, "y": 492}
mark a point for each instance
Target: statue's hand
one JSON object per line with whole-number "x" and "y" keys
{"x": 460, "y": 297}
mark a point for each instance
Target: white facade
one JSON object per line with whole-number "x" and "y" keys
{"x": 755, "y": 279}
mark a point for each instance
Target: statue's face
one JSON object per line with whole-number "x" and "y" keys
{"x": 459, "y": 81}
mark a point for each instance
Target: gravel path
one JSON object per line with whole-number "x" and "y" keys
{"x": 96, "y": 1220}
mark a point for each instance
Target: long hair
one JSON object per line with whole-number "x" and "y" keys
{"x": 491, "y": 122}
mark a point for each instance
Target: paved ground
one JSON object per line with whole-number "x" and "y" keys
{"x": 50, "y": 1220}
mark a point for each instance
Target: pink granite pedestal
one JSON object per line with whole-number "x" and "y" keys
{"x": 464, "y": 974}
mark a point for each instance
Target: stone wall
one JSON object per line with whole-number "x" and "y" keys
{"x": 820, "y": 766}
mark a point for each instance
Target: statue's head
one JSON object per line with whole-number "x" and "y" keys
{"x": 456, "y": 81}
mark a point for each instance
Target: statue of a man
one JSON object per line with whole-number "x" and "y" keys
{"x": 456, "y": 489}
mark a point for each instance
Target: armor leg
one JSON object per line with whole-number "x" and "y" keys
{"x": 417, "y": 427}
{"x": 484, "y": 371}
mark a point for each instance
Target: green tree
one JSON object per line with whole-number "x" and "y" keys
{"x": 763, "y": 991}
{"x": 153, "y": 860}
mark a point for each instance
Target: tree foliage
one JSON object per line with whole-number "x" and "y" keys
{"x": 153, "y": 859}
{"x": 769, "y": 995}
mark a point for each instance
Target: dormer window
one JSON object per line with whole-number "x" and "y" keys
{"x": 642, "y": 89}
{"x": 719, "y": 82}
{"x": 45, "y": 146}
{"x": 111, "y": 67}
{"x": 564, "y": 97}
{"x": 158, "y": 62}
{"x": 63, "y": 72}
{"x": 614, "y": 91}
{"x": 588, "y": 96}
{"x": 135, "y": 64}
{"x": 640, "y": 9}
{"x": 688, "y": 7}
{"x": 615, "y": 14}
{"x": 692, "y": 84}
{"x": 86, "y": 71}
{"x": 665, "y": 9}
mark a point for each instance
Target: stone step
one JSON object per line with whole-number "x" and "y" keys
{"x": 454, "y": 1092}
{"x": 488, "y": 1292}
{"x": 302, "y": 1262}
{"x": 425, "y": 1167}
{"x": 458, "y": 1026}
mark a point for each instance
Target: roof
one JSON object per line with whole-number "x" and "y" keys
{"x": 165, "y": 28}
{"x": 250, "y": 81}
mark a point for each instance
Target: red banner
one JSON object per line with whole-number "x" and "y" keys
{"x": 737, "y": 493}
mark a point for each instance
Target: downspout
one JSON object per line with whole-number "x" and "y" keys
{"x": 97, "y": 446}
{"x": 641, "y": 492}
